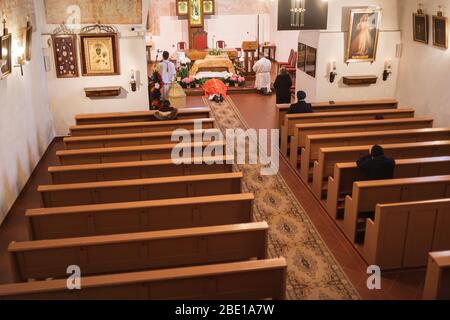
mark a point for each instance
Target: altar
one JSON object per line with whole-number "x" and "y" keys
{"x": 195, "y": 54}
{"x": 212, "y": 66}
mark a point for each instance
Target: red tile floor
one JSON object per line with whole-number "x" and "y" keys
{"x": 259, "y": 112}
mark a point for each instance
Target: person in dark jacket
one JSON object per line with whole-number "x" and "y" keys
{"x": 376, "y": 166}
{"x": 282, "y": 85}
{"x": 301, "y": 106}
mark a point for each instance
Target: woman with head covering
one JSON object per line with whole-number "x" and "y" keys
{"x": 282, "y": 85}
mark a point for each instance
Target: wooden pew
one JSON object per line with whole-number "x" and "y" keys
{"x": 133, "y": 153}
{"x": 282, "y": 109}
{"x": 248, "y": 280}
{"x": 139, "y": 127}
{"x": 402, "y": 234}
{"x": 328, "y": 157}
{"x": 60, "y": 195}
{"x": 303, "y": 130}
{"x": 139, "y": 170}
{"x": 124, "y": 140}
{"x": 138, "y": 116}
{"x": 437, "y": 281}
{"x": 314, "y": 143}
{"x": 140, "y": 251}
{"x": 346, "y": 173}
{"x": 128, "y": 217}
{"x": 367, "y": 194}
{"x": 290, "y": 121}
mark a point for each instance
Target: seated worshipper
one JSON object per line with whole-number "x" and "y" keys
{"x": 215, "y": 90}
{"x": 301, "y": 106}
{"x": 166, "y": 112}
{"x": 262, "y": 68}
{"x": 282, "y": 85}
{"x": 168, "y": 73}
{"x": 376, "y": 166}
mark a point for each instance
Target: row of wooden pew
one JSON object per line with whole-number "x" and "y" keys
{"x": 140, "y": 227}
{"x": 396, "y": 223}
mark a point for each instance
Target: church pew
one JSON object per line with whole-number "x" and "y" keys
{"x": 298, "y": 141}
{"x": 86, "y": 193}
{"x": 138, "y": 116}
{"x": 139, "y": 169}
{"x": 140, "y": 127}
{"x": 328, "y": 157}
{"x": 248, "y": 280}
{"x": 139, "y": 251}
{"x": 124, "y": 140}
{"x": 402, "y": 234}
{"x": 345, "y": 174}
{"x": 314, "y": 143}
{"x": 336, "y": 106}
{"x": 367, "y": 194}
{"x": 290, "y": 121}
{"x": 437, "y": 280}
{"x": 133, "y": 153}
{"x": 142, "y": 216}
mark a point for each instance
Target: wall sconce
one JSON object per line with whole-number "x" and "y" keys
{"x": 333, "y": 72}
{"x": 387, "y": 70}
{"x": 133, "y": 81}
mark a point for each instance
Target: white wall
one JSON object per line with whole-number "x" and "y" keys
{"x": 67, "y": 97}
{"x": 331, "y": 45}
{"x": 25, "y": 125}
{"x": 424, "y": 78}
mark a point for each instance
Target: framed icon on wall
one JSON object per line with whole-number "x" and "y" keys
{"x": 440, "y": 31}
{"x": 99, "y": 54}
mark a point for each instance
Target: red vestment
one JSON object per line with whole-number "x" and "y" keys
{"x": 214, "y": 86}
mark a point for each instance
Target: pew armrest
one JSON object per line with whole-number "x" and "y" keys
{"x": 350, "y": 218}
{"x": 317, "y": 178}
{"x": 332, "y": 196}
{"x": 370, "y": 242}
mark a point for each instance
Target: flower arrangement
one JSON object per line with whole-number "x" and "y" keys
{"x": 236, "y": 80}
{"x": 188, "y": 81}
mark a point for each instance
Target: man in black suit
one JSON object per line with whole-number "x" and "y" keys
{"x": 376, "y": 166}
{"x": 301, "y": 106}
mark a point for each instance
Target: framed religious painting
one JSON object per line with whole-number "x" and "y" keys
{"x": 99, "y": 54}
{"x": 420, "y": 27}
{"x": 440, "y": 31}
{"x": 311, "y": 59}
{"x": 65, "y": 53}
{"x": 363, "y": 35}
{"x": 28, "y": 41}
{"x": 195, "y": 13}
{"x": 182, "y": 7}
{"x": 301, "y": 57}
{"x": 5, "y": 55}
{"x": 209, "y": 7}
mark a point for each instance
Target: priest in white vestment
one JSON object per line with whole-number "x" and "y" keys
{"x": 168, "y": 73}
{"x": 263, "y": 68}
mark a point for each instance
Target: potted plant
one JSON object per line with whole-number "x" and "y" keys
{"x": 241, "y": 81}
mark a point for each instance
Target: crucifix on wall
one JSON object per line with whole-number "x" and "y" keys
{"x": 195, "y": 11}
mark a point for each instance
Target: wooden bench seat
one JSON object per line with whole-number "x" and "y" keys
{"x": 139, "y": 251}
{"x": 139, "y": 169}
{"x": 138, "y": 116}
{"x": 249, "y": 280}
{"x": 345, "y": 174}
{"x": 303, "y": 130}
{"x": 367, "y": 194}
{"x": 133, "y": 153}
{"x": 336, "y": 106}
{"x": 85, "y": 193}
{"x": 292, "y": 120}
{"x": 139, "y": 127}
{"x": 328, "y": 157}
{"x": 142, "y": 216}
{"x": 402, "y": 234}
{"x": 124, "y": 140}
{"x": 314, "y": 143}
{"x": 437, "y": 282}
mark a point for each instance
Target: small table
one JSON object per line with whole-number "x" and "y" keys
{"x": 271, "y": 48}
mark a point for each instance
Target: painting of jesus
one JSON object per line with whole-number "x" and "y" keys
{"x": 195, "y": 13}
{"x": 363, "y": 35}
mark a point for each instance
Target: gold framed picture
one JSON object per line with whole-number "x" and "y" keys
{"x": 209, "y": 7}
{"x": 5, "y": 55}
{"x": 420, "y": 27}
{"x": 440, "y": 31}
{"x": 363, "y": 35}
{"x": 99, "y": 54}
{"x": 65, "y": 53}
{"x": 301, "y": 56}
{"x": 195, "y": 13}
{"x": 182, "y": 8}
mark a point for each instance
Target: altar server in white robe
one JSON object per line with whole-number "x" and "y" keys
{"x": 262, "y": 68}
{"x": 168, "y": 73}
